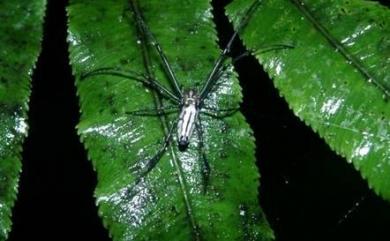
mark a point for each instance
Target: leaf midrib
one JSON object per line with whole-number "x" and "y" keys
{"x": 350, "y": 58}
{"x": 164, "y": 122}
{"x": 179, "y": 172}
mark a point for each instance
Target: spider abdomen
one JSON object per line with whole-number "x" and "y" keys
{"x": 187, "y": 119}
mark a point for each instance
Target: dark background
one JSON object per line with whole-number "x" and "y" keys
{"x": 307, "y": 191}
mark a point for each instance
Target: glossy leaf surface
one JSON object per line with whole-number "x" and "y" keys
{"x": 172, "y": 202}
{"x": 336, "y": 77}
{"x": 21, "y": 34}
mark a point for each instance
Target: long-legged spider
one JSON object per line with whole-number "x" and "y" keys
{"x": 190, "y": 103}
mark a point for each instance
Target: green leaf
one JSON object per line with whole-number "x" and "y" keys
{"x": 21, "y": 34}
{"x": 336, "y": 78}
{"x": 170, "y": 202}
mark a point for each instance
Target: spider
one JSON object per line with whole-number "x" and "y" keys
{"x": 191, "y": 102}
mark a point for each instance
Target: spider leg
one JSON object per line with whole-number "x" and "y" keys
{"x": 165, "y": 110}
{"x": 264, "y": 49}
{"x": 352, "y": 210}
{"x": 152, "y": 162}
{"x": 221, "y": 71}
{"x": 218, "y": 76}
{"x": 211, "y": 79}
{"x": 145, "y": 29}
{"x": 128, "y": 74}
{"x": 205, "y": 167}
{"x": 218, "y": 113}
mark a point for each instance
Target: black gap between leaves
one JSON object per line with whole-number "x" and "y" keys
{"x": 55, "y": 200}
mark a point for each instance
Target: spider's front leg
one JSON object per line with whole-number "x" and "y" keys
{"x": 264, "y": 49}
{"x": 132, "y": 75}
{"x": 153, "y": 111}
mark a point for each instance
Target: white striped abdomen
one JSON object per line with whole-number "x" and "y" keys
{"x": 186, "y": 124}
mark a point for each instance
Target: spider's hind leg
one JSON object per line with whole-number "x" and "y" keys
{"x": 218, "y": 113}
{"x": 141, "y": 171}
{"x": 205, "y": 166}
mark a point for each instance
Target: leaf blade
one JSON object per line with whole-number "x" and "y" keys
{"x": 117, "y": 144}
{"x": 336, "y": 77}
{"x": 21, "y": 29}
